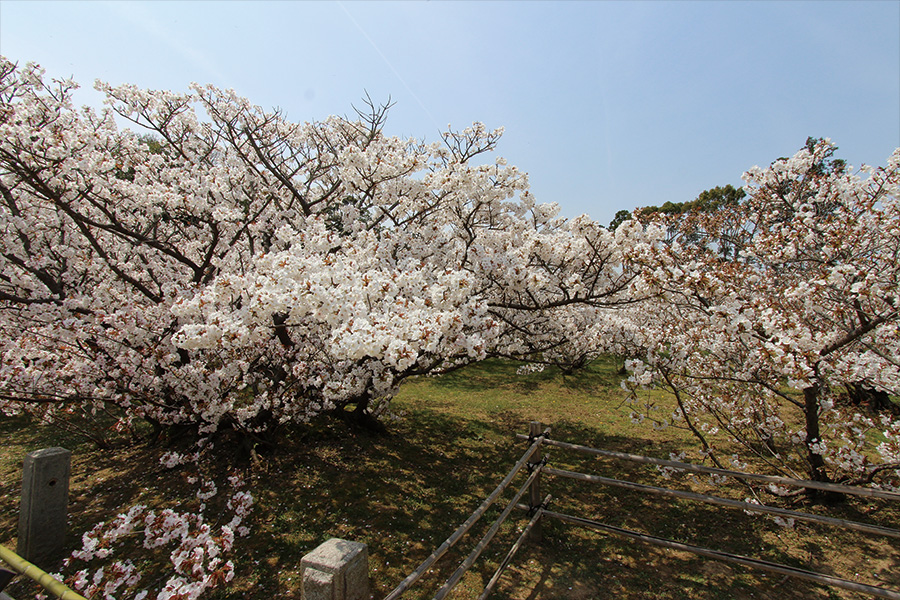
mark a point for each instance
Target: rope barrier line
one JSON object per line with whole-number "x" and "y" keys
{"x": 727, "y": 557}
{"x": 482, "y": 544}
{"x": 45, "y": 580}
{"x": 818, "y": 485}
{"x": 467, "y": 525}
{"x": 762, "y": 508}
{"x": 514, "y": 549}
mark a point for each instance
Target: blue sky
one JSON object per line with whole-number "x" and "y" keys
{"x": 607, "y": 105}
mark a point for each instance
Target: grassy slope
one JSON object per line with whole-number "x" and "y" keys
{"x": 452, "y": 441}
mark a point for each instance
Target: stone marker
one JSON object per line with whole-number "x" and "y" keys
{"x": 336, "y": 570}
{"x": 43, "y": 510}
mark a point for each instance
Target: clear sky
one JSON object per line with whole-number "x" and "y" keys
{"x": 607, "y": 105}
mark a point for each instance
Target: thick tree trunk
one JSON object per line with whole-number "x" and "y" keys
{"x": 360, "y": 415}
{"x": 816, "y": 462}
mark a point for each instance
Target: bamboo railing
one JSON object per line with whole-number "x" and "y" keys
{"x": 746, "y": 506}
{"x": 527, "y": 459}
{"x": 537, "y": 508}
{"x": 45, "y": 580}
{"x": 731, "y": 558}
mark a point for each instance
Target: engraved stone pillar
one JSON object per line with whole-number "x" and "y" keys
{"x": 43, "y": 510}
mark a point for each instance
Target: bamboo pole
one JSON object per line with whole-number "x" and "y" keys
{"x": 45, "y": 580}
{"x": 484, "y": 541}
{"x": 791, "y": 514}
{"x": 465, "y": 527}
{"x": 732, "y": 558}
{"x": 534, "y": 430}
{"x": 828, "y": 487}
{"x": 515, "y": 548}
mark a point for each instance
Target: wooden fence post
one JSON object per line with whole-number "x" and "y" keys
{"x": 535, "y": 428}
{"x": 43, "y": 510}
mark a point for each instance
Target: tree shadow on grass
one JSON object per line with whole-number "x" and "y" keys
{"x": 22, "y": 435}
{"x": 576, "y": 563}
{"x": 410, "y": 489}
{"x": 405, "y": 491}
{"x": 580, "y": 564}
{"x": 102, "y": 484}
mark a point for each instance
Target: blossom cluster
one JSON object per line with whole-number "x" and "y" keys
{"x": 197, "y": 550}
{"x": 803, "y": 307}
{"x": 231, "y": 268}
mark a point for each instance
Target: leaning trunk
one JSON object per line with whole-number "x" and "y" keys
{"x": 815, "y": 461}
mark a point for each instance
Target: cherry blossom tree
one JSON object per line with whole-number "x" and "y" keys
{"x": 238, "y": 271}
{"x": 760, "y": 345}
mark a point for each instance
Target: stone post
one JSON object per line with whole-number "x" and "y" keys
{"x": 43, "y": 510}
{"x": 336, "y": 570}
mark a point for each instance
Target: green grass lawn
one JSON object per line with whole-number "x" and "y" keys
{"x": 450, "y": 440}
